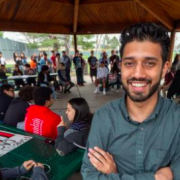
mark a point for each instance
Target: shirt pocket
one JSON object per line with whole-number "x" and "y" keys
{"x": 156, "y": 159}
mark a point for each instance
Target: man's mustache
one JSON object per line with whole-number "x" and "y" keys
{"x": 139, "y": 79}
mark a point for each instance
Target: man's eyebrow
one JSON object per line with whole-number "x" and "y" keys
{"x": 147, "y": 58}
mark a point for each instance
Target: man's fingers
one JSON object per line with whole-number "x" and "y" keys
{"x": 103, "y": 153}
{"x": 98, "y": 156}
{"x": 95, "y": 162}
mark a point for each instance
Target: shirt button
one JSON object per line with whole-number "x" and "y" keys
{"x": 139, "y": 152}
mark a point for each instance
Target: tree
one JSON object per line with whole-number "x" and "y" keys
{"x": 86, "y": 41}
{"x": 1, "y": 33}
{"x": 114, "y": 43}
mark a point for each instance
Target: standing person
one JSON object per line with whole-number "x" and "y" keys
{"x": 53, "y": 59}
{"x": 114, "y": 58}
{"x": 2, "y": 59}
{"x": 6, "y": 96}
{"x": 41, "y": 61}
{"x": 18, "y": 60}
{"x": 83, "y": 65}
{"x": 92, "y": 60}
{"x": 78, "y": 66}
{"x": 33, "y": 63}
{"x": 39, "y": 118}
{"x": 17, "y": 110}
{"x": 104, "y": 59}
{"x": 23, "y": 58}
{"x": 67, "y": 61}
{"x": 137, "y": 137}
{"x": 80, "y": 117}
{"x": 18, "y": 72}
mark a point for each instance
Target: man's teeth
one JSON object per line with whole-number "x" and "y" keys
{"x": 138, "y": 84}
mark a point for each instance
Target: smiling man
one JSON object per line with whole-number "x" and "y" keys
{"x": 137, "y": 137}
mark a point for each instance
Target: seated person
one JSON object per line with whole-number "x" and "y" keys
{"x": 39, "y": 118}
{"x": 38, "y": 171}
{"x": 3, "y": 76}
{"x": 114, "y": 77}
{"x": 17, "y": 109}
{"x": 18, "y": 72}
{"x": 44, "y": 80}
{"x": 63, "y": 79}
{"x": 29, "y": 71}
{"x": 168, "y": 81}
{"x": 79, "y": 117}
{"x": 102, "y": 73}
{"x": 6, "y": 96}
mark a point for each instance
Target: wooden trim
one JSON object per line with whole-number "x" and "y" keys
{"x": 76, "y": 12}
{"x": 102, "y": 28}
{"x": 173, "y": 34}
{"x": 1, "y": 1}
{"x": 35, "y": 27}
{"x": 98, "y": 2}
{"x": 157, "y": 12}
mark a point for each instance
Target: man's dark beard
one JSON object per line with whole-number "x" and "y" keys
{"x": 139, "y": 96}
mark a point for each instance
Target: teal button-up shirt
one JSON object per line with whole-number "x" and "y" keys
{"x": 139, "y": 149}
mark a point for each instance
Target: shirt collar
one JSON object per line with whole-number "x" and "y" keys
{"x": 153, "y": 114}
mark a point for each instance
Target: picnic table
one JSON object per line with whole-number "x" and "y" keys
{"x": 37, "y": 148}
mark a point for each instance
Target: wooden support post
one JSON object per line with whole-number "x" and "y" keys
{"x": 75, "y": 42}
{"x": 173, "y": 34}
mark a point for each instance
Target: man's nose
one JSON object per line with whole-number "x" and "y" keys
{"x": 139, "y": 71}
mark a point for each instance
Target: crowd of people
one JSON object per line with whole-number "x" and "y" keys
{"x": 134, "y": 137}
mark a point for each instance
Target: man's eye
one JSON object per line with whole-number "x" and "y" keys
{"x": 128, "y": 64}
{"x": 150, "y": 64}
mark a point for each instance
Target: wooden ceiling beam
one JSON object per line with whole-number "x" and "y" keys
{"x": 102, "y": 29}
{"x": 34, "y": 27}
{"x": 157, "y": 12}
{"x": 65, "y": 2}
{"x": 95, "y": 2}
{"x": 1, "y": 1}
{"x": 76, "y": 12}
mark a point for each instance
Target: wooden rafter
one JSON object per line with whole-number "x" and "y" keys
{"x": 1, "y": 1}
{"x": 37, "y": 27}
{"x": 90, "y": 2}
{"x": 65, "y": 2}
{"x": 76, "y": 12}
{"x": 102, "y": 28}
{"x": 156, "y": 11}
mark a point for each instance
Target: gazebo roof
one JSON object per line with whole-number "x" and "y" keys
{"x": 85, "y": 16}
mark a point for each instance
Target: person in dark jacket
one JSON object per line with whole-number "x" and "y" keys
{"x": 44, "y": 80}
{"x": 63, "y": 80}
{"x": 76, "y": 135}
{"x": 17, "y": 109}
{"x": 38, "y": 171}
{"x": 18, "y": 72}
{"x": 6, "y": 96}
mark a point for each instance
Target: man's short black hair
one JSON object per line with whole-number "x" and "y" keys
{"x": 41, "y": 95}
{"x": 27, "y": 65}
{"x": 146, "y": 32}
{"x": 6, "y": 87}
{"x": 57, "y": 54}
{"x": 26, "y": 93}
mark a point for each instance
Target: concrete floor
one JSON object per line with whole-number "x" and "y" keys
{"x": 94, "y": 100}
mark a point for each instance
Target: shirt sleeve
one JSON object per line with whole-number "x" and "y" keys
{"x": 38, "y": 174}
{"x": 99, "y": 135}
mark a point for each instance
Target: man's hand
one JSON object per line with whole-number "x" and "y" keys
{"x": 164, "y": 174}
{"x": 28, "y": 164}
{"x": 102, "y": 161}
